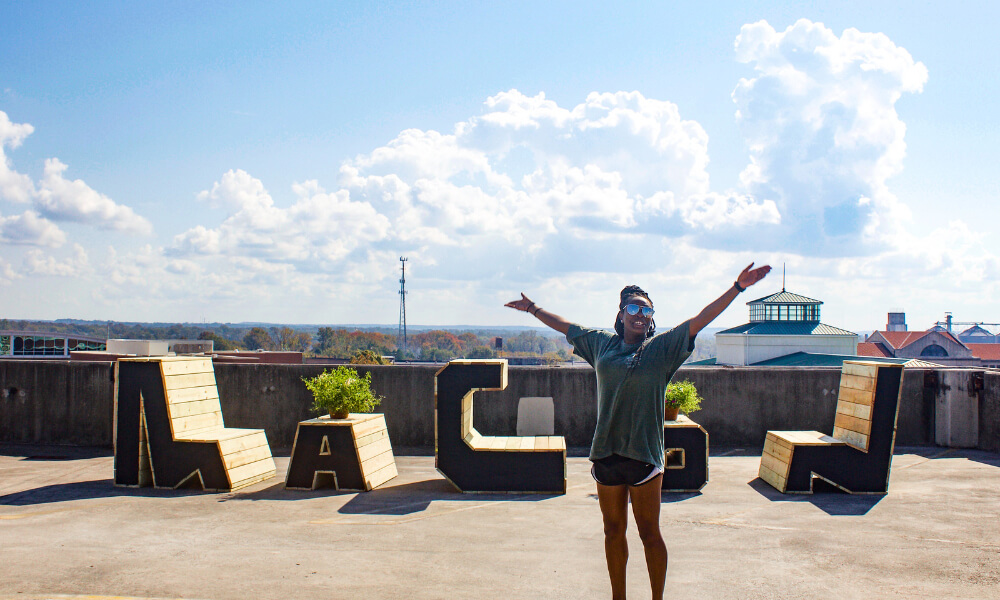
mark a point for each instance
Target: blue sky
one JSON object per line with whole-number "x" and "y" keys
{"x": 242, "y": 162}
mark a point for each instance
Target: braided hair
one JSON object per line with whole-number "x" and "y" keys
{"x": 627, "y": 293}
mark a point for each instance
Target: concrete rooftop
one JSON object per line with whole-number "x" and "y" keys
{"x": 65, "y": 530}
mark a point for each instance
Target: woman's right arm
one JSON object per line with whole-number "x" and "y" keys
{"x": 552, "y": 320}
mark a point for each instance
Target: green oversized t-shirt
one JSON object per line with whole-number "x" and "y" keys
{"x": 630, "y": 409}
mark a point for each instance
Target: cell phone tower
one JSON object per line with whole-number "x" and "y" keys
{"x": 401, "y": 335}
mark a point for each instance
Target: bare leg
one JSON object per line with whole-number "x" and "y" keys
{"x": 646, "y": 508}
{"x": 614, "y": 510}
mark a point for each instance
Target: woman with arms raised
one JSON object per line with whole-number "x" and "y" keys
{"x": 633, "y": 368}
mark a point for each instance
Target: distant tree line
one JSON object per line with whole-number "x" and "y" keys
{"x": 433, "y": 345}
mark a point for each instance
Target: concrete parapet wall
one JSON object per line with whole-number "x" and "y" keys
{"x": 989, "y": 412}
{"x": 72, "y": 402}
{"x": 56, "y": 402}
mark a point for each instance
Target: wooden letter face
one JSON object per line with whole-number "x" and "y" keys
{"x": 174, "y": 463}
{"x": 843, "y": 462}
{"x": 324, "y": 456}
{"x": 506, "y": 469}
{"x": 685, "y": 456}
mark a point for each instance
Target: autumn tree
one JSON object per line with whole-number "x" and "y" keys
{"x": 288, "y": 340}
{"x": 258, "y": 339}
{"x": 343, "y": 343}
{"x": 218, "y": 342}
{"x": 437, "y": 344}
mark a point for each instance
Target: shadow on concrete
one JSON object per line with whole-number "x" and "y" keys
{"x": 941, "y": 453}
{"x": 410, "y": 498}
{"x": 54, "y": 453}
{"x": 669, "y": 497}
{"x": 986, "y": 458}
{"x": 401, "y": 499}
{"x": 830, "y": 499}
{"x": 86, "y": 490}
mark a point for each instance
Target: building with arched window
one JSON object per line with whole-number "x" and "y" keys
{"x": 37, "y": 344}
{"x": 936, "y": 345}
{"x": 781, "y": 324}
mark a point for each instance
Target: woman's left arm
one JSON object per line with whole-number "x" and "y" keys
{"x": 748, "y": 277}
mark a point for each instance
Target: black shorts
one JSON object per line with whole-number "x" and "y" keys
{"x": 619, "y": 470}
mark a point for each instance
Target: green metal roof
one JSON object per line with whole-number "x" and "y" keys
{"x": 705, "y": 362}
{"x": 784, "y": 297}
{"x": 808, "y": 359}
{"x": 786, "y": 328}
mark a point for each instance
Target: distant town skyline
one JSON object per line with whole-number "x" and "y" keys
{"x": 256, "y": 163}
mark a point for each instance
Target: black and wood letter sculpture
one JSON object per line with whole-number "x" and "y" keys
{"x": 169, "y": 431}
{"x": 345, "y": 454}
{"x": 477, "y": 463}
{"x": 857, "y": 457}
{"x": 685, "y": 455}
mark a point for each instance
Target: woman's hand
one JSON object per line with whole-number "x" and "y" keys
{"x": 526, "y": 305}
{"x": 522, "y": 305}
{"x": 750, "y": 276}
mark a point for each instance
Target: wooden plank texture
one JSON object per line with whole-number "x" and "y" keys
{"x": 857, "y": 382}
{"x": 779, "y": 450}
{"x": 772, "y": 478}
{"x": 380, "y": 476}
{"x": 860, "y": 369}
{"x": 188, "y": 409}
{"x": 377, "y": 462}
{"x": 775, "y": 464}
{"x": 842, "y": 421}
{"x": 775, "y": 438}
{"x": 245, "y": 457}
{"x": 186, "y": 367}
{"x": 176, "y": 382}
{"x": 369, "y": 450}
{"x": 255, "y": 439}
{"x": 856, "y": 396}
{"x": 251, "y": 471}
{"x": 371, "y": 438}
{"x": 193, "y": 394}
{"x": 860, "y": 411}
{"x": 248, "y": 481}
{"x": 852, "y": 438}
{"x": 212, "y": 420}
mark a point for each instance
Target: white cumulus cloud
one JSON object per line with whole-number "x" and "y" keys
{"x": 37, "y": 262}
{"x": 820, "y": 121}
{"x": 62, "y": 199}
{"x": 315, "y": 233}
{"x": 56, "y": 198}
{"x": 13, "y": 185}
{"x": 31, "y": 229}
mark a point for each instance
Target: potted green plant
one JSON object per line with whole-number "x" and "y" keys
{"x": 342, "y": 391}
{"x": 681, "y": 396}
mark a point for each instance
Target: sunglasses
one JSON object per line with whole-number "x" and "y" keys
{"x": 633, "y": 310}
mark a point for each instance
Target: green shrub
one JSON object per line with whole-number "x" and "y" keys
{"x": 342, "y": 391}
{"x": 684, "y": 396}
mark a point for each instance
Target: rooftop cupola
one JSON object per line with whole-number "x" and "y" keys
{"x": 784, "y": 306}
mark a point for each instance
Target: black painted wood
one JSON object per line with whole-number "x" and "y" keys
{"x": 306, "y": 459}
{"x": 487, "y": 471}
{"x": 173, "y": 462}
{"x": 694, "y": 442}
{"x": 847, "y": 467}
